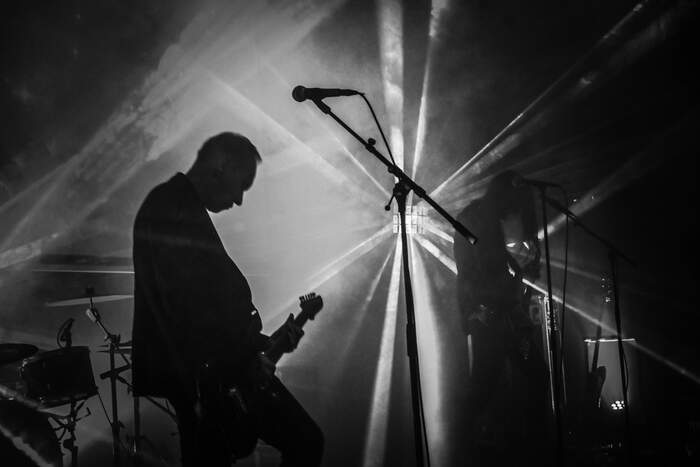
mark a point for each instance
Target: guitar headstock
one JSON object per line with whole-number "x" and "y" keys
{"x": 311, "y": 304}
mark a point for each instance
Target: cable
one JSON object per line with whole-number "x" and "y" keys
{"x": 104, "y": 409}
{"x": 627, "y": 372}
{"x": 422, "y": 418}
{"x": 419, "y": 389}
{"x": 563, "y": 292}
{"x": 381, "y": 132}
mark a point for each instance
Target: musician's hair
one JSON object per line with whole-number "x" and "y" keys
{"x": 235, "y": 148}
{"x": 504, "y": 198}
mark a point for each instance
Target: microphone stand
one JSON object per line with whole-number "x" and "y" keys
{"x": 401, "y": 189}
{"x": 613, "y": 254}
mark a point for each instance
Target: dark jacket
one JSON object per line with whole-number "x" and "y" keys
{"x": 192, "y": 305}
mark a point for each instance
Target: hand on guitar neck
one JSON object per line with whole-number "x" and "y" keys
{"x": 286, "y": 338}
{"x": 283, "y": 340}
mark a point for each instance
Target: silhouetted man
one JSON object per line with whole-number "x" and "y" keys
{"x": 507, "y": 386}
{"x": 194, "y": 315}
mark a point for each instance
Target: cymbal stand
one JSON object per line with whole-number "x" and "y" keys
{"x": 113, "y": 340}
{"x": 138, "y": 437}
{"x": 114, "y": 375}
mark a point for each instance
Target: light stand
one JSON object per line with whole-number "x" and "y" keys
{"x": 404, "y": 185}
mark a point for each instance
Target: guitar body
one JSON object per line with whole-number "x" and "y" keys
{"x": 234, "y": 419}
{"x": 233, "y": 406}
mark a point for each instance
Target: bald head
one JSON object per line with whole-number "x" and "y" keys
{"x": 227, "y": 148}
{"x": 224, "y": 169}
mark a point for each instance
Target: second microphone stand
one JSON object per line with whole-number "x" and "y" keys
{"x": 553, "y": 345}
{"x": 613, "y": 255}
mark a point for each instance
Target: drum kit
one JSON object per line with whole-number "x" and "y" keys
{"x": 35, "y": 383}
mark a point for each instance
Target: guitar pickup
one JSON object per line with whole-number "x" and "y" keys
{"x": 235, "y": 394}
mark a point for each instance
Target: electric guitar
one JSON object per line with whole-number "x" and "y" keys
{"x": 236, "y": 404}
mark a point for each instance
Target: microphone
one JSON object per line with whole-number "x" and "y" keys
{"x": 300, "y": 93}
{"x": 65, "y": 332}
{"x": 92, "y": 314}
{"x": 519, "y": 181}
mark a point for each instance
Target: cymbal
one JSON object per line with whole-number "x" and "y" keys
{"x": 14, "y": 352}
{"x": 126, "y": 351}
{"x": 86, "y": 300}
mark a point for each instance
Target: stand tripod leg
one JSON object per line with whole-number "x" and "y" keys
{"x": 115, "y": 412}
{"x": 69, "y": 444}
{"x": 137, "y": 432}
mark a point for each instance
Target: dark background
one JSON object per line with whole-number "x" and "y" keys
{"x": 615, "y": 121}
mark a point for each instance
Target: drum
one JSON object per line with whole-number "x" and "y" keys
{"x": 26, "y": 437}
{"x": 58, "y": 377}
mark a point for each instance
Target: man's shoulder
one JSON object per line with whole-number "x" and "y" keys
{"x": 168, "y": 193}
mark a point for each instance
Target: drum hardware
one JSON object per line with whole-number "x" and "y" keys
{"x": 113, "y": 342}
{"x": 118, "y": 351}
{"x": 88, "y": 301}
{"x": 11, "y": 352}
{"x": 67, "y": 423}
{"x": 121, "y": 345}
{"x": 122, "y": 348}
{"x": 59, "y": 377}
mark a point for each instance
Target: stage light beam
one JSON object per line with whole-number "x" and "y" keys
{"x": 450, "y": 264}
{"x": 430, "y": 354}
{"x": 332, "y": 268}
{"x": 375, "y": 442}
{"x": 436, "y": 10}
{"x": 391, "y": 52}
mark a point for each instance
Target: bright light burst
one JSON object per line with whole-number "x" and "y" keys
{"x": 376, "y": 433}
